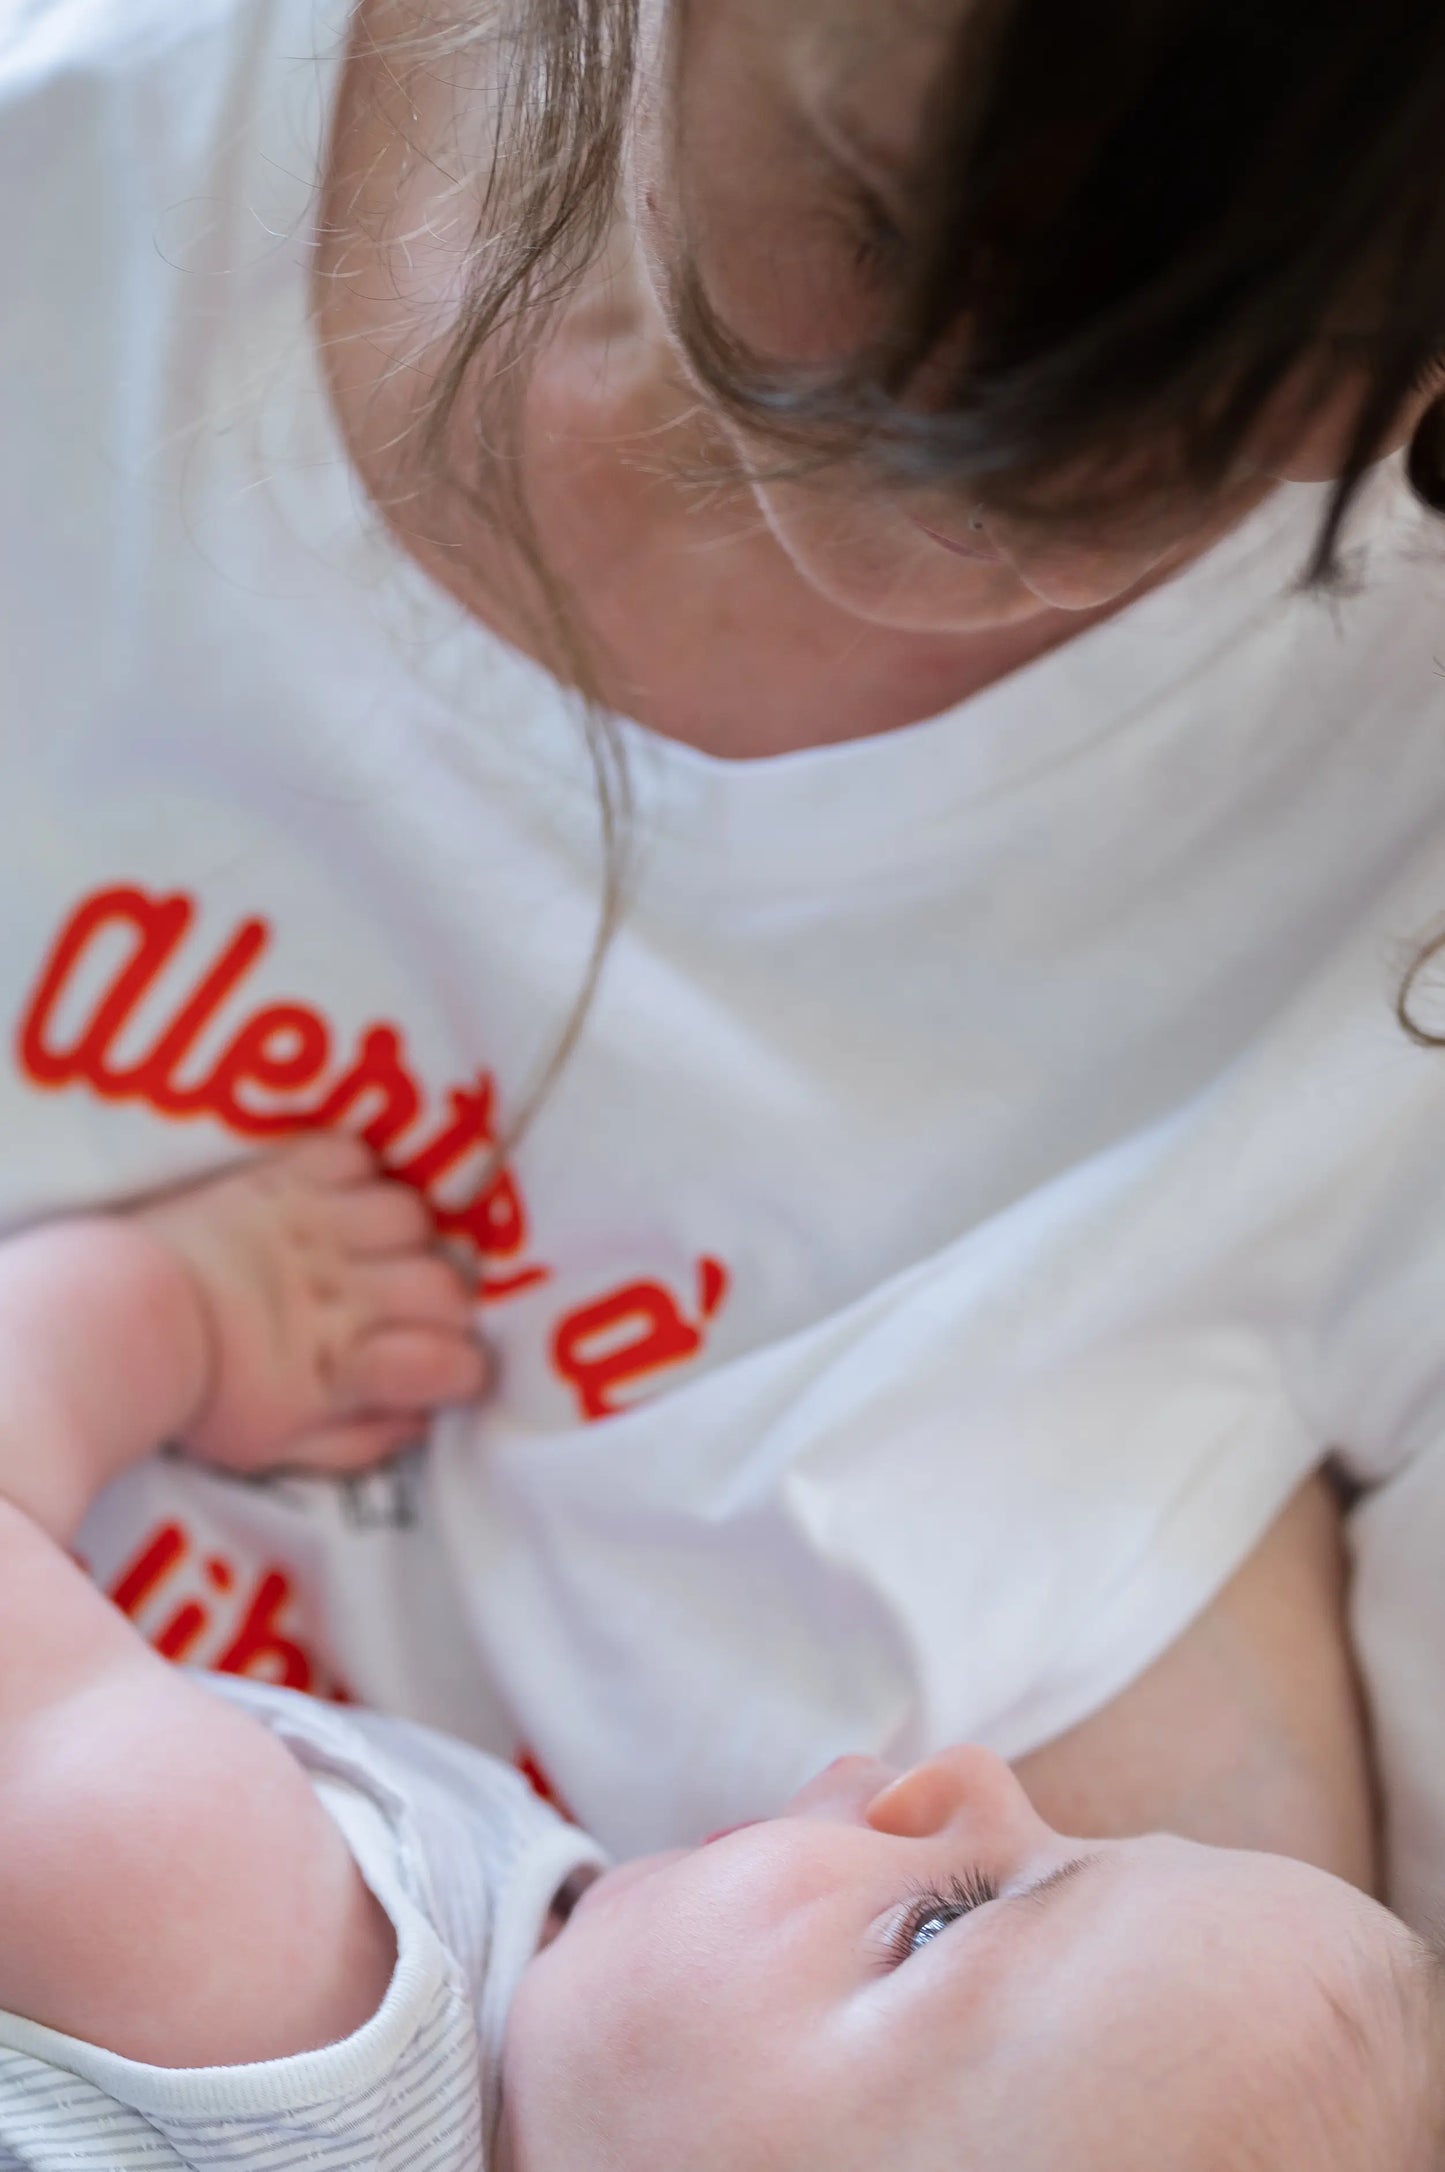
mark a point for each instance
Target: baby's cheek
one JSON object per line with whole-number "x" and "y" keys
{"x": 591, "y": 2059}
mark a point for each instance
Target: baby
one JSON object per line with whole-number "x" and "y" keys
{"x": 240, "y": 1929}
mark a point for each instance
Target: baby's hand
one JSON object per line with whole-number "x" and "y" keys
{"x": 336, "y": 1327}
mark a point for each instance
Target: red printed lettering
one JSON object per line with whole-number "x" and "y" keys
{"x": 494, "y": 1221}
{"x": 496, "y": 1289}
{"x": 282, "y": 1049}
{"x": 251, "y": 1638}
{"x": 153, "y": 1079}
{"x": 150, "y": 1569}
{"x": 378, "y": 1074}
{"x": 468, "y": 1127}
{"x": 183, "y": 1632}
{"x": 540, "y": 1784}
{"x": 158, "y": 925}
{"x": 713, "y": 1284}
{"x": 627, "y": 1335}
{"x": 284, "y": 1046}
{"x": 260, "y": 1650}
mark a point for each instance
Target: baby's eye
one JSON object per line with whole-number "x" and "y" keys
{"x": 933, "y": 1912}
{"x": 930, "y": 1927}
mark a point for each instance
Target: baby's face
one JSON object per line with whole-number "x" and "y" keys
{"x": 914, "y": 1971}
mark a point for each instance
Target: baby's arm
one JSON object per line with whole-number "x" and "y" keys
{"x": 104, "y": 1353}
{"x": 170, "y": 1887}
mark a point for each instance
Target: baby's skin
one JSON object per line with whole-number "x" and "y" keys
{"x": 906, "y": 1970}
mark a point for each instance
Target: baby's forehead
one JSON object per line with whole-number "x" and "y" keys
{"x": 1326, "y": 2060}
{"x": 1191, "y": 2012}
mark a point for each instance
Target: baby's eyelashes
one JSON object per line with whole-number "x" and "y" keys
{"x": 931, "y": 1912}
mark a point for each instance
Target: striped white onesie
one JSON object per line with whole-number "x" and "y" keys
{"x": 466, "y": 1862}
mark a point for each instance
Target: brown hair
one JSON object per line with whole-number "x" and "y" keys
{"x": 559, "y": 76}
{"x": 1423, "y": 1035}
{"x": 1150, "y": 220}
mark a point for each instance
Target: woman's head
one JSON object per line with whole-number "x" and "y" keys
{"x": 1103, "y": 273}
{"x": 1072, "y": 284}
{"x": 913, "y": 1971}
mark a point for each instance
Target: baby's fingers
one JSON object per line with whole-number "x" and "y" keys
{"x": 418, "y": 1290}
{"x": 413, "y": 1368}
{"x": 359, "y": 1444}
{"x": 381, "y": 1218}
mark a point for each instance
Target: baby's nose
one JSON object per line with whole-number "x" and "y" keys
{"x": 967, "y": 1785}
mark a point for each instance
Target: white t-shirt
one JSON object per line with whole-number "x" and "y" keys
{"x": 465, "y": 1861}
{"x": 991, "y": 1174}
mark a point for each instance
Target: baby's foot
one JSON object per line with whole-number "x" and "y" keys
{"x": 336, "y": 1328}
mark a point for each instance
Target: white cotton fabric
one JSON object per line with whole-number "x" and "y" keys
{"x": 991, "y": 1151}
{"x": 466, "y": 1862}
